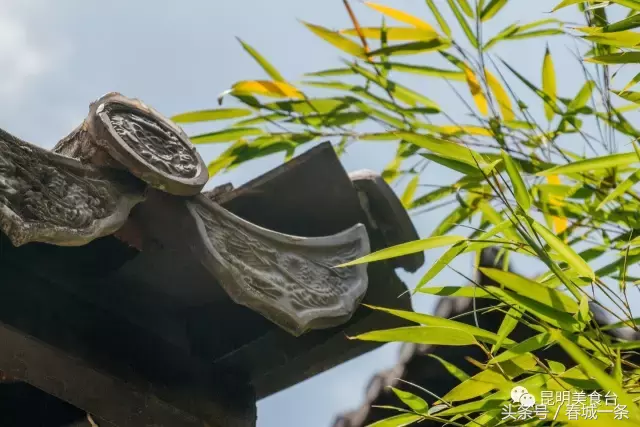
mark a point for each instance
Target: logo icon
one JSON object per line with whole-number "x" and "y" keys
{"x": 522, "y": 396}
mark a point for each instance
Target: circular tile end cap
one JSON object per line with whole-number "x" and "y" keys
{"x": 149, "y": 145}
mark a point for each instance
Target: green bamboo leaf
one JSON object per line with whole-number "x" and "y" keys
{"x": 565, "y": 252}
{"x": 415, "y": 403}
{"x": 527, "y": 346}
{"x": 225, "y": 135}
{"x": 412, "y": 48}
{"x": 392, "y": 33}
{"x": 590, "y": 165}
{"x": 582, "y": 97}
{"x": 444, "y": 148}
{"x": 622, "y": 188}
{"x": 429, "y": 320}
{"x": 492, "y": 9}
{"x": 623, "y": 25}
{"x": 479, "y": 384}
{"x": 594, "y": 371}
{"x": 337, "y": 40}
{"x": 633, "y": 82}
{"x": 455, "y": 165}
{"x": 402, "y": 93}
{"x": 557, "y": 318}
{"x": 519, "y": 188}
{"x": 424, "y": 70}
{"x": 441, "y": 21}
{"x": 434, "y": 335}
{"x": 509, "y": 323}
{"x": 451, "y": 368}
{"x": 457, "y": 291}
{"x": 535, "y": 34}
{"x": 549, "y": 84}
{"x": 533, "y": 290}
{"x": 616, "y": 58}
{"x": 410, "y": 191}
{"x": 629, "y": 95}
{"x": 463, "y": 24}
{"x": 312, "y": 105}
{"x": 441, "y": 263}
{"x": 406, "y": 249}
{"x": 402, "y": 420}
{"x": 208, "y": 115}
{"x": 466, "y": 8}
{"x": 266, "y": 66}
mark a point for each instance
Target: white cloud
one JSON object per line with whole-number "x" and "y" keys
{"x": 25, "y": 53}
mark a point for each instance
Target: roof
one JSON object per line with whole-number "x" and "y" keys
{"x": 114, "y": 256}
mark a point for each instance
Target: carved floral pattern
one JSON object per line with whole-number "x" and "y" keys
{"x": 155, "y": 143}
{"x": 291, "y": 283}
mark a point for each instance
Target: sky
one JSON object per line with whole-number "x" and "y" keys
{"x": 56, "y": 57}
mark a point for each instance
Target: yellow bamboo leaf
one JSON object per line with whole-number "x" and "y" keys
{"x": 463, "y": 129}
{"x": 266, "y": 88}
{"x": 392, "y": 33}
{"x": 476, "y": 91}
{"x": 501, "y": 96}
{"x": 401, "y": 16}
{"x": 560, "y": 224}
{"x": 338, "y": 40}
{"x": 548, "y": 83}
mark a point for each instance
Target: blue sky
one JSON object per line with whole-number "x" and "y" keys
{"x": 56, "y": 57}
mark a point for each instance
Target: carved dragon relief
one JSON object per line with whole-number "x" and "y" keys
{"x": 125, "y": 133}
{"x": 45, "y": 197}
{"x": 290, "y": 280}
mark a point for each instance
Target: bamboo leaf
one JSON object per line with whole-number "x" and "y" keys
{"x": 463, "y": 24}
{"x": 519, "y": 188}
{"x": 412, "y": 48}
{"x": 208, "y": 115}
{"x": 434, "y": 335}
{"x": 596, "y": 163}
{"x": 263, "y": 88}
{"x": 266, "y": 66}
{"x": 441, "y": 21}
{"x": 549, "y": 83}
{"x": 616, "y": 58}
{"x": 476, "y": 91}
{"x": 441, "y": 263}
{"x": 426, "y": 71}
{"x": 533, "y": 290}
{"x": 466, "y": 8}
{"x": 621, "y": 188}
{"x": 337, "y": 40}
{"x": 406, "y": 249}
{"x": 594, "y": 371}
{"x": 225, "y": 135}
{"x": 415, "y": 403}
{"x": 533, "y": 343}
{"x": 582, "y": 97}
{"x": 504, "y": 103}
{"x": 455, "y": 291}
{"x": 402, "y": 420}
{"x": 509, "y": 323}
{"x": 393, "y": 33}
{"x": 451, "y": 368}
{"x": 429, "y": 320}
{"x": 410, "y": 191}
{"x": 401, "y": 16}
{"x": 565, "y": 252}
{"x": 492, "y": 9}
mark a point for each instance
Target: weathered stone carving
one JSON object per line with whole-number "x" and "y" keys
{"x": 46, "y": 197}
{"x": 125, "y": 133}
{"x": 386, "y": 214}
{"x": 290, "y": 280}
